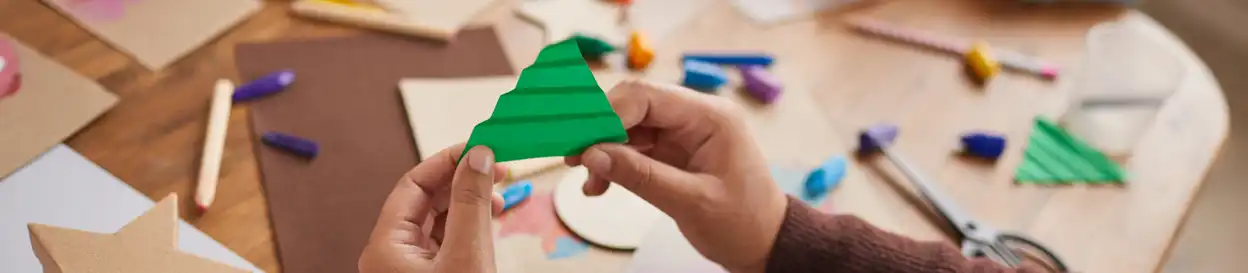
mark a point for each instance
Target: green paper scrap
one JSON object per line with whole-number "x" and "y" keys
{"x": 556, "y": 109}
{"x": 591, "y": 47}
{"x": 1054, "y": 156}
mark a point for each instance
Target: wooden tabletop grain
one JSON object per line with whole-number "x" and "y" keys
{"x": 152, "y": 138}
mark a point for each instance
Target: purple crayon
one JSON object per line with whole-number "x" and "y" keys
{"x": 760, "y": 84}
{"x": 293, "y": 144}
{"x": 876, "y": 136}
{"x": 264, "y": 86}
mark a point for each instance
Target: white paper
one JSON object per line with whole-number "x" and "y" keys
{"x": 665, "y": 249}
{"x": 773, "y": 11}
{"x": 659, "y": 18}
{"x": 62, "y": 188}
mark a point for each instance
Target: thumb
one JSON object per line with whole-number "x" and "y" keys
{"x": 662, "y": 185}
{"x": 468, "y": 245}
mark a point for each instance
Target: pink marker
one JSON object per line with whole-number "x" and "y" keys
{"x": 1011, "y": 60}
{"x": 10, "y": 68}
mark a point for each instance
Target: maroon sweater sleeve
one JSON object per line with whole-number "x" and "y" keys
{"x": 811, "y": 241}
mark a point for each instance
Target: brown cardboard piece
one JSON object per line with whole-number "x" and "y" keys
{"x": 52, "y": 103}
{"x": 148, "y": 244}
{"x": 156, "y": 32}
{"x": 347, "y": 100}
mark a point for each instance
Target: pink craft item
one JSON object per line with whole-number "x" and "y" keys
{"x": 10, "y": 68}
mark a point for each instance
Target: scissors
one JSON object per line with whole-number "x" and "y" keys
{"x": 978, "y": 240}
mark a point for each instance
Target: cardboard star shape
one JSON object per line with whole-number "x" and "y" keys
{"x": 556, "y": 109}
{"x": 147, "y": 244}
{"x": 563, "y": 18}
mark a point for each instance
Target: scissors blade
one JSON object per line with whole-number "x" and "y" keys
{"x": 996, "y": 251}
{"x": 958, "y": 218}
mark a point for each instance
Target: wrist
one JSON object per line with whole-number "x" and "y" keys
{"x": 770, "y": 220}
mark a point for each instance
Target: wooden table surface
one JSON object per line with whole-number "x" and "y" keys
{"x": 152, "y": 138}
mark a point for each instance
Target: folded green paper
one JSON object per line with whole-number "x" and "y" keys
{"x": 556, "y": 109}
{"x": 1055, "y": 156}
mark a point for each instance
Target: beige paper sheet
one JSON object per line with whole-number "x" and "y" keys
{"x": 438, "y": 14}
{"x": 52, "y": 103}
{"x": 562, "y": 18}
{"x": 659, "y": 18}
{"x": 156, "y": 32}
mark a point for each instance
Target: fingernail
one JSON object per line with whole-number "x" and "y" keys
{"x": 597, "y": 160}
{"x": 481, "y": 161}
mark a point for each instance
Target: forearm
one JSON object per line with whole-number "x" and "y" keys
{"x": 811, "y": 241}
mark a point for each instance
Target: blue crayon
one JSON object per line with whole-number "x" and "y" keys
{"x": 264, "y": 86}
{"x": 704, "y": 77}
{"x": 984, "y": 145}
{"x": 826, "y": 177}
{"x": 516, "y": 193}
{"x": 759, "y": 59}
{"x": 293, "y": 144}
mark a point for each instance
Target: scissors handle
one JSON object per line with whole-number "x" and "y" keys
{"x": 1006, "y": 239}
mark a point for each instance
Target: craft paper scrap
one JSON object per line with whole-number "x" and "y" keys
{"x": 156, "y": 32}
{"x": 146, "y": 244}
{"x": 42, "y": 113}
{"x": 563, "y": 18}
{"x": 62, "y": 188}
{"x": 775, "y": 11}
{"x": 1055, "y": 156}
{"x": 659, "y": 18}
{"x": 556, "y": 109}
{"x": 536, "y": 217}
{"x": 441, "y": 15}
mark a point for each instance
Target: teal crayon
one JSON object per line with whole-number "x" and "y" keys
{"x": 516, "y": 193}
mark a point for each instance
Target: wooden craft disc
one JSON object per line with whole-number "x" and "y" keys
{"x": 617, "y": 219}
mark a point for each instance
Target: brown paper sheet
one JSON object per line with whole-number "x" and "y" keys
{"x": 51, "y": 104}
{"x": 156, "y": 33}
{"x": 346, "y": 98}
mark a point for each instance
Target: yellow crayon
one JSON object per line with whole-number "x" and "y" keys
{"x": 981, "y": 62}
{"x": 349, "y": 3}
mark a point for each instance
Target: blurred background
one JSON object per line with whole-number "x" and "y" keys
{"x": 1211, "y": 241}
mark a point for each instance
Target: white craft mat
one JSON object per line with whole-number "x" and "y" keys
{"x": 62, "y": 188}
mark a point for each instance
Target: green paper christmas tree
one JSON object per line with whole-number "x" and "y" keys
{"x": 1054, "y": 156}
{"x": 556, "y": 109}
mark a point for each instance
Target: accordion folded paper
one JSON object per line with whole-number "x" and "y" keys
{"x": 556, "y": 109}
{"x": 1054, "y": 156}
